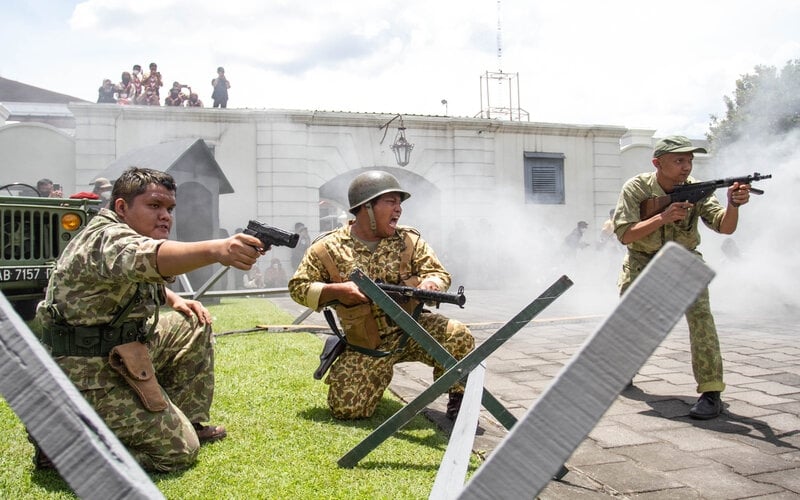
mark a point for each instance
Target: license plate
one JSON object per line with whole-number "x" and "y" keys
{"x": 25, "y": 273}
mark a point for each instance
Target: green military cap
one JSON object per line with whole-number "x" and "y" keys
{"x": 676, "y": 144}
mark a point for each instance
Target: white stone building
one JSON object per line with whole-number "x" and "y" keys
{"x": 518, "y": 182}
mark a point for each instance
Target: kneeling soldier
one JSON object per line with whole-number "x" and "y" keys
{"x": 383, "y": 250}
{"x": 150, "y": 377}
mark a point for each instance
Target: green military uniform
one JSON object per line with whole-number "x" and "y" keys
{"x": 357, "y": 381}
{"x": 706, "y": 356}
{"x": 109, "y": 268}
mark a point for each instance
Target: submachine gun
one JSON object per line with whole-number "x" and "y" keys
{"x": 403, "y": 294}
{"x": 695, "y": 192}
{"x": 336, "y": 344}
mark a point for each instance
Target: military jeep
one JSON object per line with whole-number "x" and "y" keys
{"x": 35, "y": 231}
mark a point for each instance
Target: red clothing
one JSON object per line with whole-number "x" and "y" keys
{"x": 153, "y": 82}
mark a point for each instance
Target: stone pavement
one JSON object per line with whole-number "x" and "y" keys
{"x": 646, "y": 446}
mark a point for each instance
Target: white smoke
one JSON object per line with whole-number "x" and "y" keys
{"x": 517, "y": 251}
{"x": 763, "y": 278}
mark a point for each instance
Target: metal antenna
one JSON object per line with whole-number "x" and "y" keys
{"x": 499, "y": 40}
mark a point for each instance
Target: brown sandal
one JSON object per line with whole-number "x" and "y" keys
{"x": 209, "y": 433}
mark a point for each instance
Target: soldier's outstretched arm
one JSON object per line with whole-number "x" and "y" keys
{"x": 178, "y": 257}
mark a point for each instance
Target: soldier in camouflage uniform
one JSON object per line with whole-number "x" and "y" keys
{"x": 104, "y": 297}
{"x": 383, "y": 250}
{"x": 679, "y": 222}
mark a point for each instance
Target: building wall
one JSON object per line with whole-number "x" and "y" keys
{"x": 279, "y": 162}
{"x": 32, "y": 151}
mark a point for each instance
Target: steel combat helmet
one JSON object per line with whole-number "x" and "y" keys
{"x": 369, "y": 185}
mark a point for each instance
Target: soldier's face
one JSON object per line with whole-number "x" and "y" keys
{"x": 150, "y": 213}
{"x": 674, "y": 168}
{"x": 387, "y": 209}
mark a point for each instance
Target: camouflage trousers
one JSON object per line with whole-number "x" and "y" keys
{"x": 183, "y": 357}
{"x": 357, "y": 381}
{"x": 703, "y": 339}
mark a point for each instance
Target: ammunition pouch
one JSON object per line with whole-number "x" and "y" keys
{"x": 132, "y": 361}
{"x": 359, "y": 325}
{"x": 68, "y": 340}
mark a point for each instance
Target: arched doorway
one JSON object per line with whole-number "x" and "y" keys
{"x": 423, "y": 210}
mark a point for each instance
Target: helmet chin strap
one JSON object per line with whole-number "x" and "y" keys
{"x": 372, "y": 224}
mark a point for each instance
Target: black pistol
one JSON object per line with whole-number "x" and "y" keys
{"x": 271, "y": 236}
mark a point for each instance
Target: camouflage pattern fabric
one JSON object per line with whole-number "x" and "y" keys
{"x": 357, "y": 381}
{"x": 95, "y": 277}
{"x": 99, "y": 272}
{"x": 706, "y": 355}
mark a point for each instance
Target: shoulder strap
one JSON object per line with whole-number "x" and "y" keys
{"x": 123, "y": 313}
{"x": 318, "y": 248}
{"x": 410, "y": 240}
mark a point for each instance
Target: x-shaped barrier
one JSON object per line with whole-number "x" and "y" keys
{"x": 455, "y": 370}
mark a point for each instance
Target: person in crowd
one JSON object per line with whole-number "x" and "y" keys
{"x": 47, "y": 189}
{"x": 126, "y": 90}
{"x": 106, "y": 93}
{"x": 136, "y": 79}
{"x": 382, "y": 249}
{"x": 175, "y": 97}
{"x": 152, "y": 84}
{"x": 102, "y": 188}
{"x": 253, "y": 278}
{"x": 673, "y": 160}
{"x": 573, "y": 241}
{"x": 194, "y": 101}
{"x": 148, "y": 374}
{"x": 221, "y": 85}
{"x": 275, "y": 276}
{"x": 150, "y": 98}
{"x": 607, "y": 230}
{"x": 303, "y": 243}
{"x": 180, "y": 86}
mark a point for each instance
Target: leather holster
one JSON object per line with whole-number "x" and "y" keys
{"x": 132, "y": 361}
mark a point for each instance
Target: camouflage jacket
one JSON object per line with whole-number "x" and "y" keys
{"x": 100, "y": 271}
{"x": 684, "y": 232}
{"x": 349, "y": 253}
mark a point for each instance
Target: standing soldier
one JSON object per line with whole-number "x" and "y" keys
{"x": 679, "y": 222}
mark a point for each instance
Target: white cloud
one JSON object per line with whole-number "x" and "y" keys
{"x": 630, "y": 63}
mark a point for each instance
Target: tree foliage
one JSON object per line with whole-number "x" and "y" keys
{"x": 765, "y": 104}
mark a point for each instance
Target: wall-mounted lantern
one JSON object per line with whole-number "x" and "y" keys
{"x": 401, "y": 147}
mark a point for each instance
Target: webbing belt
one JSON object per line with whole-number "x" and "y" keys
{"x": 67, "y": 340}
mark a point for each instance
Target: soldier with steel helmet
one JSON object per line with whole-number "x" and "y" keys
{"x": 384, "y": 250}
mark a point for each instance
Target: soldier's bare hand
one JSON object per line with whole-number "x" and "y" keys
{"x": 676, "y": 211}
{"x": 193, "y": 307}
{"x": 738, "y": 194}
{"x": 347, "y": 293}
{"x": 428, "y": 285}
{"x": 241, "y": 251}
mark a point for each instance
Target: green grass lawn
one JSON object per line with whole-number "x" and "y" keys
{"x": 282, "y": 441}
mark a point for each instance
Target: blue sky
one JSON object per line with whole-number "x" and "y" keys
{"x": 656, "y": 65}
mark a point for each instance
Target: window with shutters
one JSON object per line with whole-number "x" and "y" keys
{"x": 544, "y": 178}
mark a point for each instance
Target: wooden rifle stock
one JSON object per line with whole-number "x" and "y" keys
{"x": 653, "y": 206}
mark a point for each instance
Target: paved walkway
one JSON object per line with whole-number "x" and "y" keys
{"x": 646, "y": 446}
